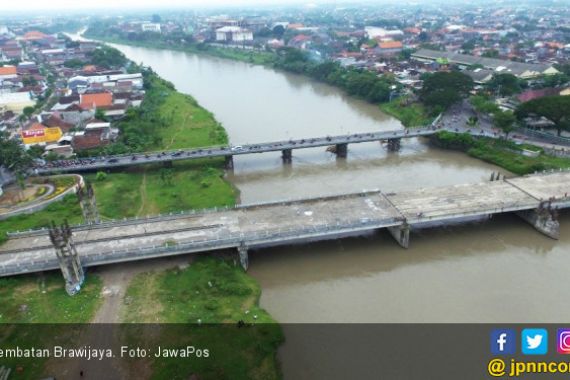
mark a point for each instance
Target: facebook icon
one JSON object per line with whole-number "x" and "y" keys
{"x": 503, "y": 342}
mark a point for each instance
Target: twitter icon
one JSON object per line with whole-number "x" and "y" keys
{"x": 534, "y": 341}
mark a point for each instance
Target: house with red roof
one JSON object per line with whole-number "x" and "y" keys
{"x": 96, "y": 100}
{"x": 8, "y": 72}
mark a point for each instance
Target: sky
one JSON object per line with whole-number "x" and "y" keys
{"x": 35, "y": 5}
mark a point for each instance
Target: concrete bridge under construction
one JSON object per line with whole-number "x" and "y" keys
{"x": 339, "y": 145}
{"x": 536, "y": 198}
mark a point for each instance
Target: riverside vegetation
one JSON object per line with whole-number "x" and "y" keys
{"x": 167, "y": 119}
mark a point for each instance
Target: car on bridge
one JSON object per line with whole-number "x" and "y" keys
{"x": 237, "y": 148}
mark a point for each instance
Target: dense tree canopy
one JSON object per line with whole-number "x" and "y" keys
{"x": 554, "y": 108}
{"x": 108, "y": 57}
{"x": 443, "y": 89}
{"x": 505, "y": 84}
{"x": 504, "y": 120}
{"x": 363, "y": 83}
{"x": 12, "y": 154}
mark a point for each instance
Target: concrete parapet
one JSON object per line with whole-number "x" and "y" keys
{"x": 401, "y": 234}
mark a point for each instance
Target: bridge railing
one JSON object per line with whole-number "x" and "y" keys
{"x": 219, "y": 242}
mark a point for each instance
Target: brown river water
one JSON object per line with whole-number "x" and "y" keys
{"x": 500, "y": 270}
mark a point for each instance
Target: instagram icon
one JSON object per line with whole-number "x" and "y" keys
{"x": 563, "y": 343}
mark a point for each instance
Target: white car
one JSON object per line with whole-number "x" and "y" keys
{"x": 237, "y": 148}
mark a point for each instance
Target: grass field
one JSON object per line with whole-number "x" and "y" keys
{"x": 68, "y": 209}
{"x": 412, "y": 115}
{"x": 150, "y": 191}
{"x": 209, "y": 291}
{"x": 187, "y": 124}
{"x": 500, "y": 152}
{"x": 37, "y": 300}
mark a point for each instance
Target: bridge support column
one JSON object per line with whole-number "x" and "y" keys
{"x": 229, "y": 162}
{"x": 544, "y": 219}
{"x": 67, "y": 257}
{"x": 401, "y": 234}
{"x": 88, "y": 204}
{"x": 394, "y": 145}
{"x": 243, "y": 256}
{"x": 341, "y": 150}
{"x": 287, "y": 156}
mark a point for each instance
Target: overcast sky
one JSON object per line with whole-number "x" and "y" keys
{"x": 33, "y": 5}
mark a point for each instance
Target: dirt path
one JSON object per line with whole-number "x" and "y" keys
{"x": 116, "y": 279}
{"x": 143, "y": 195}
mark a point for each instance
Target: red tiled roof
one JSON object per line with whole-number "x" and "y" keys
{"x": 89, "y": 140}
{"x": 8, "y": 70}
{"x": 34, "y": 35}
{"x": 390, "y": 45}
{"x": 102, "y": 99}
{"x": 535, "y": 94}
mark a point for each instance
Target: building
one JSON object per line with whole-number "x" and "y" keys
{"x": 96, "y": 100}
{"x": 375, "y": 32}
{"x": 8, "y": 72}
{"x": 388, "y": 48}
{"x": 233, "y": 34}
{"x": 16, "y": 101}
{"x": 498, "y": 66}
{"x": 150, "y": 27}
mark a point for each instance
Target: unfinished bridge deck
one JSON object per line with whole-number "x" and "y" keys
{"x": 284, "y": 222}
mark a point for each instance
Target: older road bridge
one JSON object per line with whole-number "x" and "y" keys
{"x": 340, "y": 144}
{"x": 536, "y": 198}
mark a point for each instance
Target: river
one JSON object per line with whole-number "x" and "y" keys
{"x": 498, "y": 271}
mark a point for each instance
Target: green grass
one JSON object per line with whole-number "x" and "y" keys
{"x": 30, "y": 301}
{"x": 68, "y": 208}
{"x": 412, "y": 115}
{"x": 209, "y": 291}
{"x": 500, "y": 152}
{"x": 187, "y": 124}
{"x": 141, "y": 192}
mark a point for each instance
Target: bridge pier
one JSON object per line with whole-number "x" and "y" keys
{"x": 544, "y": 220}
{"x": 287, "y": 156}
{"x": 61, "y": 238}
{"x": 341, "y": 150}
{"x": 243, "y": 256}
{"x": 401, "y": 234}
{"x": 394, "y": 145}
{"x": 229, "y": 162}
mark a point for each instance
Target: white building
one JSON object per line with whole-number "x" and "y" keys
{"x": 233, "y": 34}
{"x": 16, "y": 101}
{"x": 375, "y": 32}
{"x": 150, "y": 27}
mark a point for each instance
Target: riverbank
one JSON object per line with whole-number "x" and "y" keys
{"x": 167, "y": 119}
{"x": 503, "y": 153}
{"x": 208, "y": 292}
{"x": 251, "y": 56}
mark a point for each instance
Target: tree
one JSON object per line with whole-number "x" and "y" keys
{"x": 445, "y": 88}
{"x": 100, "y": 115}
{"x": 505, "y": 121}
{"x": 554, "y": 108}
{"x": 12, "y": 154}
{"x": 28, "y": 111}
{"x": 101, "y": 176}
{"x": 505, "y": 84}
{"x": 278, "y": 31}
